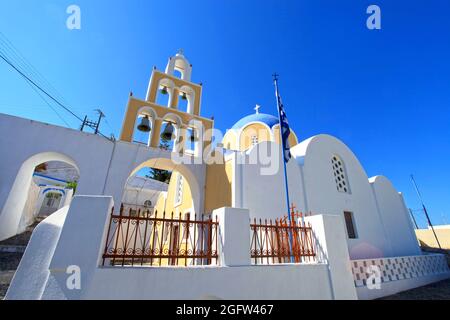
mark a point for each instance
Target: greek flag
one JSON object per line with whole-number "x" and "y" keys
{"x": 285, "y": 131}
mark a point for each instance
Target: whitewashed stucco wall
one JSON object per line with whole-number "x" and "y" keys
{"x": 30, "y": 208}
{"x": 263, "y": 191}
{"x": 395, "y": 218}
{"x": 322, "y": 196}
{"x": 382, "y": 224}
{"x": 43, "y": 273}
{"x": 104, "y": 166}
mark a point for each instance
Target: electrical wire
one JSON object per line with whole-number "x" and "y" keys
{"x": 37, "y": 86}
{"x": 26, "y": 65}
{"x": 22, "y": 66}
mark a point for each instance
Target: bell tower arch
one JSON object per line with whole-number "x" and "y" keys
{"x": 181, "y": 64}
{"x": 165, "y": 118}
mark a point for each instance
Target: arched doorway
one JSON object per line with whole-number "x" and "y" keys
{"x": 20, "y": 207}
{"x": 179, "y": 174}
{"x": 157, "y": 189}
{"x": 173, "y": 231}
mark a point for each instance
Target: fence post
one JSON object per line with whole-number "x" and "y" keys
{"x": 331, "y": 247}
{"x": 233, "y": 236}
{"x": 86, "y": 224}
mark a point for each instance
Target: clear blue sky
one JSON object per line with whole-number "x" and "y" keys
{"x": 385, "y": 93}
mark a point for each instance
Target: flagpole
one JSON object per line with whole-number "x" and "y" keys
{"x": 283, "y": 148}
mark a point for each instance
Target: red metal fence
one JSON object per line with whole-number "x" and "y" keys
{"x": 160, "y": 240}
{"x": 271, "y": 242}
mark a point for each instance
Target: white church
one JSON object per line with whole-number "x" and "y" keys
{"x": 218, "y": 227}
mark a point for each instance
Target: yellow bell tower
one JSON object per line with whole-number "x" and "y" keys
{"x": 162, "y": 109}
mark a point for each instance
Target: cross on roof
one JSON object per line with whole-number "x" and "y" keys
{"x": 257, "y": 108}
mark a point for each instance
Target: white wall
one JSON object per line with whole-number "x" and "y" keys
{"x": 331, "y": 248}
{"x": 136, "y": 197}
{"x": 90, "y": 215}
{"x": 264, "y": 195}
{"x": 30, "y": 143}
{"x": 375, "y": 278}
{"x": 315, "y": 155}
{"x": 395, "y": 218}
{"x": 29, "y": 210}
{"x": 382, "y": 225}
{"x": 32, "y": 273}
{"x": 104, "y": 166}
{"x": 86, "y": 223}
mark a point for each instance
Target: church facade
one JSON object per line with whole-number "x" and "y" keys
{"x": 222, "y": 207}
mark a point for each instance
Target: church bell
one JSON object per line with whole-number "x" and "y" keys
{"x": 144, "y": 126}
{"x": 167, "y": 133}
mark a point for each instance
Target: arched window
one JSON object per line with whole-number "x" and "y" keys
{"x": 340, "y": 176}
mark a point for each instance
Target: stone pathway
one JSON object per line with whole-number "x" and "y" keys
{"x": 11, "y": 251}
{"x": 9, "y": 261}
{"x": 435, "y": 291}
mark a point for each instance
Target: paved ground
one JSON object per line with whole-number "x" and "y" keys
{"x": 435, "y": 291}
{"x": 8, "y": 265}
{"x": 9, "y": 261}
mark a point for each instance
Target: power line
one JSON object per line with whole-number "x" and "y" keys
{"x": 27, "y": 65}
{"x": 44, "y": 91}
{"x": 39, "y": 87}
{"x": 49, "y": 105}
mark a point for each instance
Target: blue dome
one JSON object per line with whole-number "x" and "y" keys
{"x": 257, "y": 117}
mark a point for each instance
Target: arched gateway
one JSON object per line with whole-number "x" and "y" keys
{"x": 105, "y": 165}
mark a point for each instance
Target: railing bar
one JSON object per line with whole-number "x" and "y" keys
{"x": 135, "y": 235}
{"x": 118, "y": 229}
{"x": 216, "y": 239}
{"x": 107, "y": 236}
{"x": 172, "y": 239}
{"x": 255, "y": 235}
{"x": 267, "y": 240}
{"x": 145, "y": 239}
{"x": 161, "y": 240}
{"x": 187, "y": 238}
{"x": 179, "y": 237}
{"x": 153, "y": 241}
{"x": 195, "y": 240}
{"x": 126, "y": 236}
{"x": 202, "y": 235}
